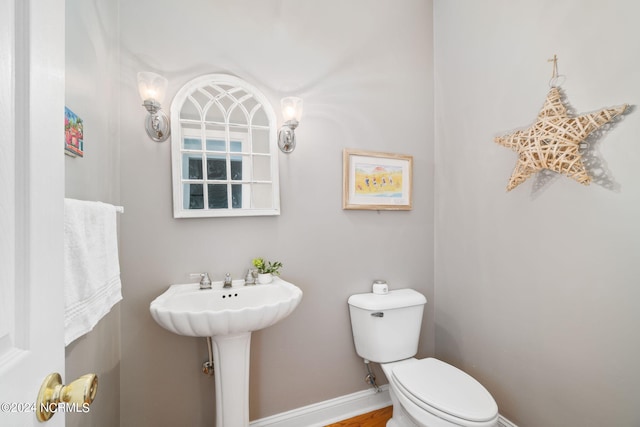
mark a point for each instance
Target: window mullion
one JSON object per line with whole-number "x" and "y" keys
{"x": 205, "y": 172}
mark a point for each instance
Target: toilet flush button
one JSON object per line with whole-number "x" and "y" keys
{"x": 380, "y": 287}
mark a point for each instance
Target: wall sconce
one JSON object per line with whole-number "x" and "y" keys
{"x": 152, "y": 88}
{"x": 291, "y": 112}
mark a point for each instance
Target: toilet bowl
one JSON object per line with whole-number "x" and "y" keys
{"x": 425, "y": 392}
{"x": 431, "y": 393}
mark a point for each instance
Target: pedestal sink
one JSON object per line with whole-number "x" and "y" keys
{"x": 228, "y": 316}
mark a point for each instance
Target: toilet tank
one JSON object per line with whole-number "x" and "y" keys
{"x": 386, "y": 327}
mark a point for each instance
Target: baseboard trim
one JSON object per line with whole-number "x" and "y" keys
{"x": 503, "y": 422}
{"x": 330, "y": 411}
{"x": 339, "y": 409}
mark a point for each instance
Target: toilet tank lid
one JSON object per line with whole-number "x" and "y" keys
{"x": 394, "y": 299}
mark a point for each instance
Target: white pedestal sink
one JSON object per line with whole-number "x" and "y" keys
{"x": 228, "y": 316}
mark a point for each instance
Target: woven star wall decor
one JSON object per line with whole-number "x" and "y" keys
{"x": 552, "y": 142}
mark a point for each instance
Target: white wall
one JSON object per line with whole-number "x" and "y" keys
{"x": 92, "y": 92}
{"x": 92, "y": 89}
{"x": 537, "y": 289}
{"x": 365, "y": 72}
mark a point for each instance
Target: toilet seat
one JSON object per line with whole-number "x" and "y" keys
{"x": 445, "y": 392}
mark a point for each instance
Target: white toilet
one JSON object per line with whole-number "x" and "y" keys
{"x": 425, "y": 392}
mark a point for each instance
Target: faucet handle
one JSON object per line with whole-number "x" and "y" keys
{"x": 249, "y": 279}
{"x": 227, "y": 281}
{"x": 205, "y": 281}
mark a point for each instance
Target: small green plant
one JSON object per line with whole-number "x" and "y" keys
{"x": 265, "y": 267}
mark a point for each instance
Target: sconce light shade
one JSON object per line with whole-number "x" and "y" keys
{"x": 291, "y": 112}
{"x": 291, "y": 108}
{"x": 152, "y": 88}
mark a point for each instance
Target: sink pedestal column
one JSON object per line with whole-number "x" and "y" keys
{"x": 231, "y": 361}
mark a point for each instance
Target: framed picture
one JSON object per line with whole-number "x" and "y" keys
{"x": 376, "y": 181}
{"x": 73, "y": 134}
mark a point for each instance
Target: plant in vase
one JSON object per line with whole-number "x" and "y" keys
{"x": 266, "y": 269}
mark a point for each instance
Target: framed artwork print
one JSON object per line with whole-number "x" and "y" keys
{"x": 376, "y": 181}
{"x": 73, "y": 134}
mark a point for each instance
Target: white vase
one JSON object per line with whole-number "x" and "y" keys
{"x": 264, "y": 278}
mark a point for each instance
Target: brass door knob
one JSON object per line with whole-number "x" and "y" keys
{"x": 80, "y": 392}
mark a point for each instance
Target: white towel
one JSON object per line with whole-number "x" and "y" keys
{"x": 91, "y": 266}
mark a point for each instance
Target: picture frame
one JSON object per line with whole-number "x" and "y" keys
{"x": 73, "y": 134}
{"x": 376, "y": 181}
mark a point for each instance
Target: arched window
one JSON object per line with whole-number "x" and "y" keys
{"x": 223, "y": 149}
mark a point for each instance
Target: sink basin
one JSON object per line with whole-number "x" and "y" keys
{"x": 187, "y": 310}
{"x": 227, "y": 316}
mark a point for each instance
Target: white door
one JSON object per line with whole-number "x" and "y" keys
{"x": 31, "y": 204}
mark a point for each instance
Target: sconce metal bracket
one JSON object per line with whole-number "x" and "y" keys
{"x": 287, "y": 136}
{"x": 157, "y": 124}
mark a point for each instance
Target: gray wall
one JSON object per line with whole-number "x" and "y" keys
{"x": 537, "y": 289}
{"x": 365, "y": 72}
{"x": 92, "y": 89}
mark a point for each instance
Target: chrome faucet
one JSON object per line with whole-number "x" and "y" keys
{"x": 227, "y": 281}
{"x": 205, "y": 281}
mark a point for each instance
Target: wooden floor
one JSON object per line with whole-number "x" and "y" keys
{"x": 377, "y": 418}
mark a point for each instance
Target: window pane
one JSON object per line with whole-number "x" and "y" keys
{"x": 215, "y": 131}
{"x": 236, "y": 196}
{"x": 236, "y": 147}
{"x": 215, "y": 113}
{"x": 201, "y": 98}
{"x": 193, "y": 197}
{"x": 191, "y": 166}
{"x": 260, "y": 118}
{"x": 260, "y": 140}
{"x": 226, "y": 102}
{"x": 191, "y": 130}
{"x": 216, "y": 167}
{"x": 262, "y": 168}
{"x": 262, "y": 196}
{"x": 236, "y": 168}
{"x": 218, "y": 196}
{"x": 189, "y": 111}
{"x": 192, "y": 144}
{"x": 237, "y": 115}
{"x": 216, "y": 145}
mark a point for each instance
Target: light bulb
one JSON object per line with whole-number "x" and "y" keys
{"x": 291, "y": 108}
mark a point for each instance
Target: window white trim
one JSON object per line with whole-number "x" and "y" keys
{"x": 230, "y": 97}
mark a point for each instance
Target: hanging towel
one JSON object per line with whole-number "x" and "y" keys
{"x": 91, "y": 266}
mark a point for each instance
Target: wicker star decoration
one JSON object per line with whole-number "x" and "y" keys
{"x": 552, "y": 142}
